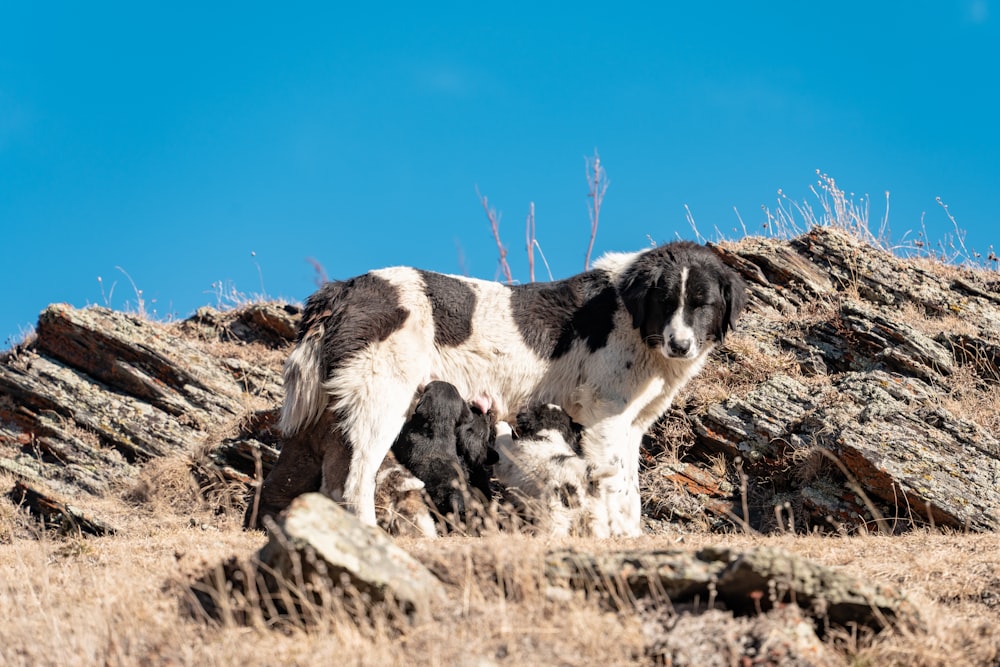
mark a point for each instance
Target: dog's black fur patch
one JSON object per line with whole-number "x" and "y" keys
{"x": 651, "y": 291}
{"x": 444, "y": 441}
{"x": 551, "y": 316}
{"x": 452, "y": 304}
{"x": 354, "y": 313}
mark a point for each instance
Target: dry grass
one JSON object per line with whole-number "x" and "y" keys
{"x": 747, "y": 363}
{"x": 123, "y": 600}
{"x": 972, "y": 399}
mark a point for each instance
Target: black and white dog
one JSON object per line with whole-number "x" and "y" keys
{"x": 447, "y": 444}
{"x": 613, "y": 346}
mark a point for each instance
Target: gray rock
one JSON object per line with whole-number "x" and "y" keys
{"x": 746, "y": 583}
{"x": 897, "y": 456}
{"x": 317, "y": 545}
{"x": 782, "y": 637}
{"x": 831, "y": 596}
{"x": 58, "y": 512}
{"x": 96, "y": 393}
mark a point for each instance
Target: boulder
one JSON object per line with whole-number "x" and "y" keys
{"x": 747, "y": 583}
{"x": 319, "y": 558}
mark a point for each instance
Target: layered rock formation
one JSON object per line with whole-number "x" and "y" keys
{"x": 859, "y": 394}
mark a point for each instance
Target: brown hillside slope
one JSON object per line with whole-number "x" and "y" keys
{"x": 858, "y": 396}
{"x": 859, "y": 391}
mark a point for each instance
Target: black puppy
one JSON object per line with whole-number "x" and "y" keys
{"x": 446, "y": 444}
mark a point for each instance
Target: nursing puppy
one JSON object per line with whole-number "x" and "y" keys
{"x": 612, "y": 346}
{"x": 446, "y": 444}
{"x": 544, "y": 474}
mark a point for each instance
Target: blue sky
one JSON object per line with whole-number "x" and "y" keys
{"x": 205, "y": 144}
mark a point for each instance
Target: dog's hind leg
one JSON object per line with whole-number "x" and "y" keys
{"x": 359, "y": 485}
{"x": 370, "y": 426}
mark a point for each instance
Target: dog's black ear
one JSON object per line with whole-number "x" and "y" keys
{"x": 638, "y": 283}
{"x": 734, "y": 292}
{"x": 634, "y": 294}
{"x": 642, "y": 294}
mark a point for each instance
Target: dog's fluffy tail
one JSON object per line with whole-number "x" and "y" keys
{"x": 305, "y": 398}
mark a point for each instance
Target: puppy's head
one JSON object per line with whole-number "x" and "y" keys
{"x": 441, "y": 403}
{"x": 460, "y": 435}
{"x": 532, "y": 421}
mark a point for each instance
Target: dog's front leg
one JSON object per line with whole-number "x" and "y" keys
{"x": 368, "y": 434}
{"x": 612, "y": 445}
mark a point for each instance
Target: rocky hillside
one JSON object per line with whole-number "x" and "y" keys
{"x": 860, "y": 394}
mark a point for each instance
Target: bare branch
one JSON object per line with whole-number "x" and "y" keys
{"x": 541, "y": 253}
{"x": 530, "y": 240}
{"x": 494, "y": 219}
{"x": 959, "y": 234}
{"x": 597, "y": 181}
{"x": 694, "y": 227}
{"x": 320, "y": 277}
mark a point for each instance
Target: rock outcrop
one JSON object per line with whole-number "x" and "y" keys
{"x": 763, "y": 604}
{"x": 97, "y": 393}
{"x": 753, "y": 581}
{"x": 319, "y": 555}
{"x": 860, "y": 393}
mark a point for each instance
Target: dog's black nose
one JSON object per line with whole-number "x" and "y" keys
{"x": 680, "y": 346}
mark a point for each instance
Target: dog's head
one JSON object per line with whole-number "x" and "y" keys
{"x": 682, "y": 298}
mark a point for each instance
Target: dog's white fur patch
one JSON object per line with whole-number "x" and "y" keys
{"x": 678, "y": 332}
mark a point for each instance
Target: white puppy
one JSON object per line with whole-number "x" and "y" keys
{"x": 545, "y": 476}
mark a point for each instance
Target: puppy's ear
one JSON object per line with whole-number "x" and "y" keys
{"x": 463, "y": 412}
{"x": 472, "y": 439}
{"x": 492, "y": 456}
{"x": 734, "y": 293}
